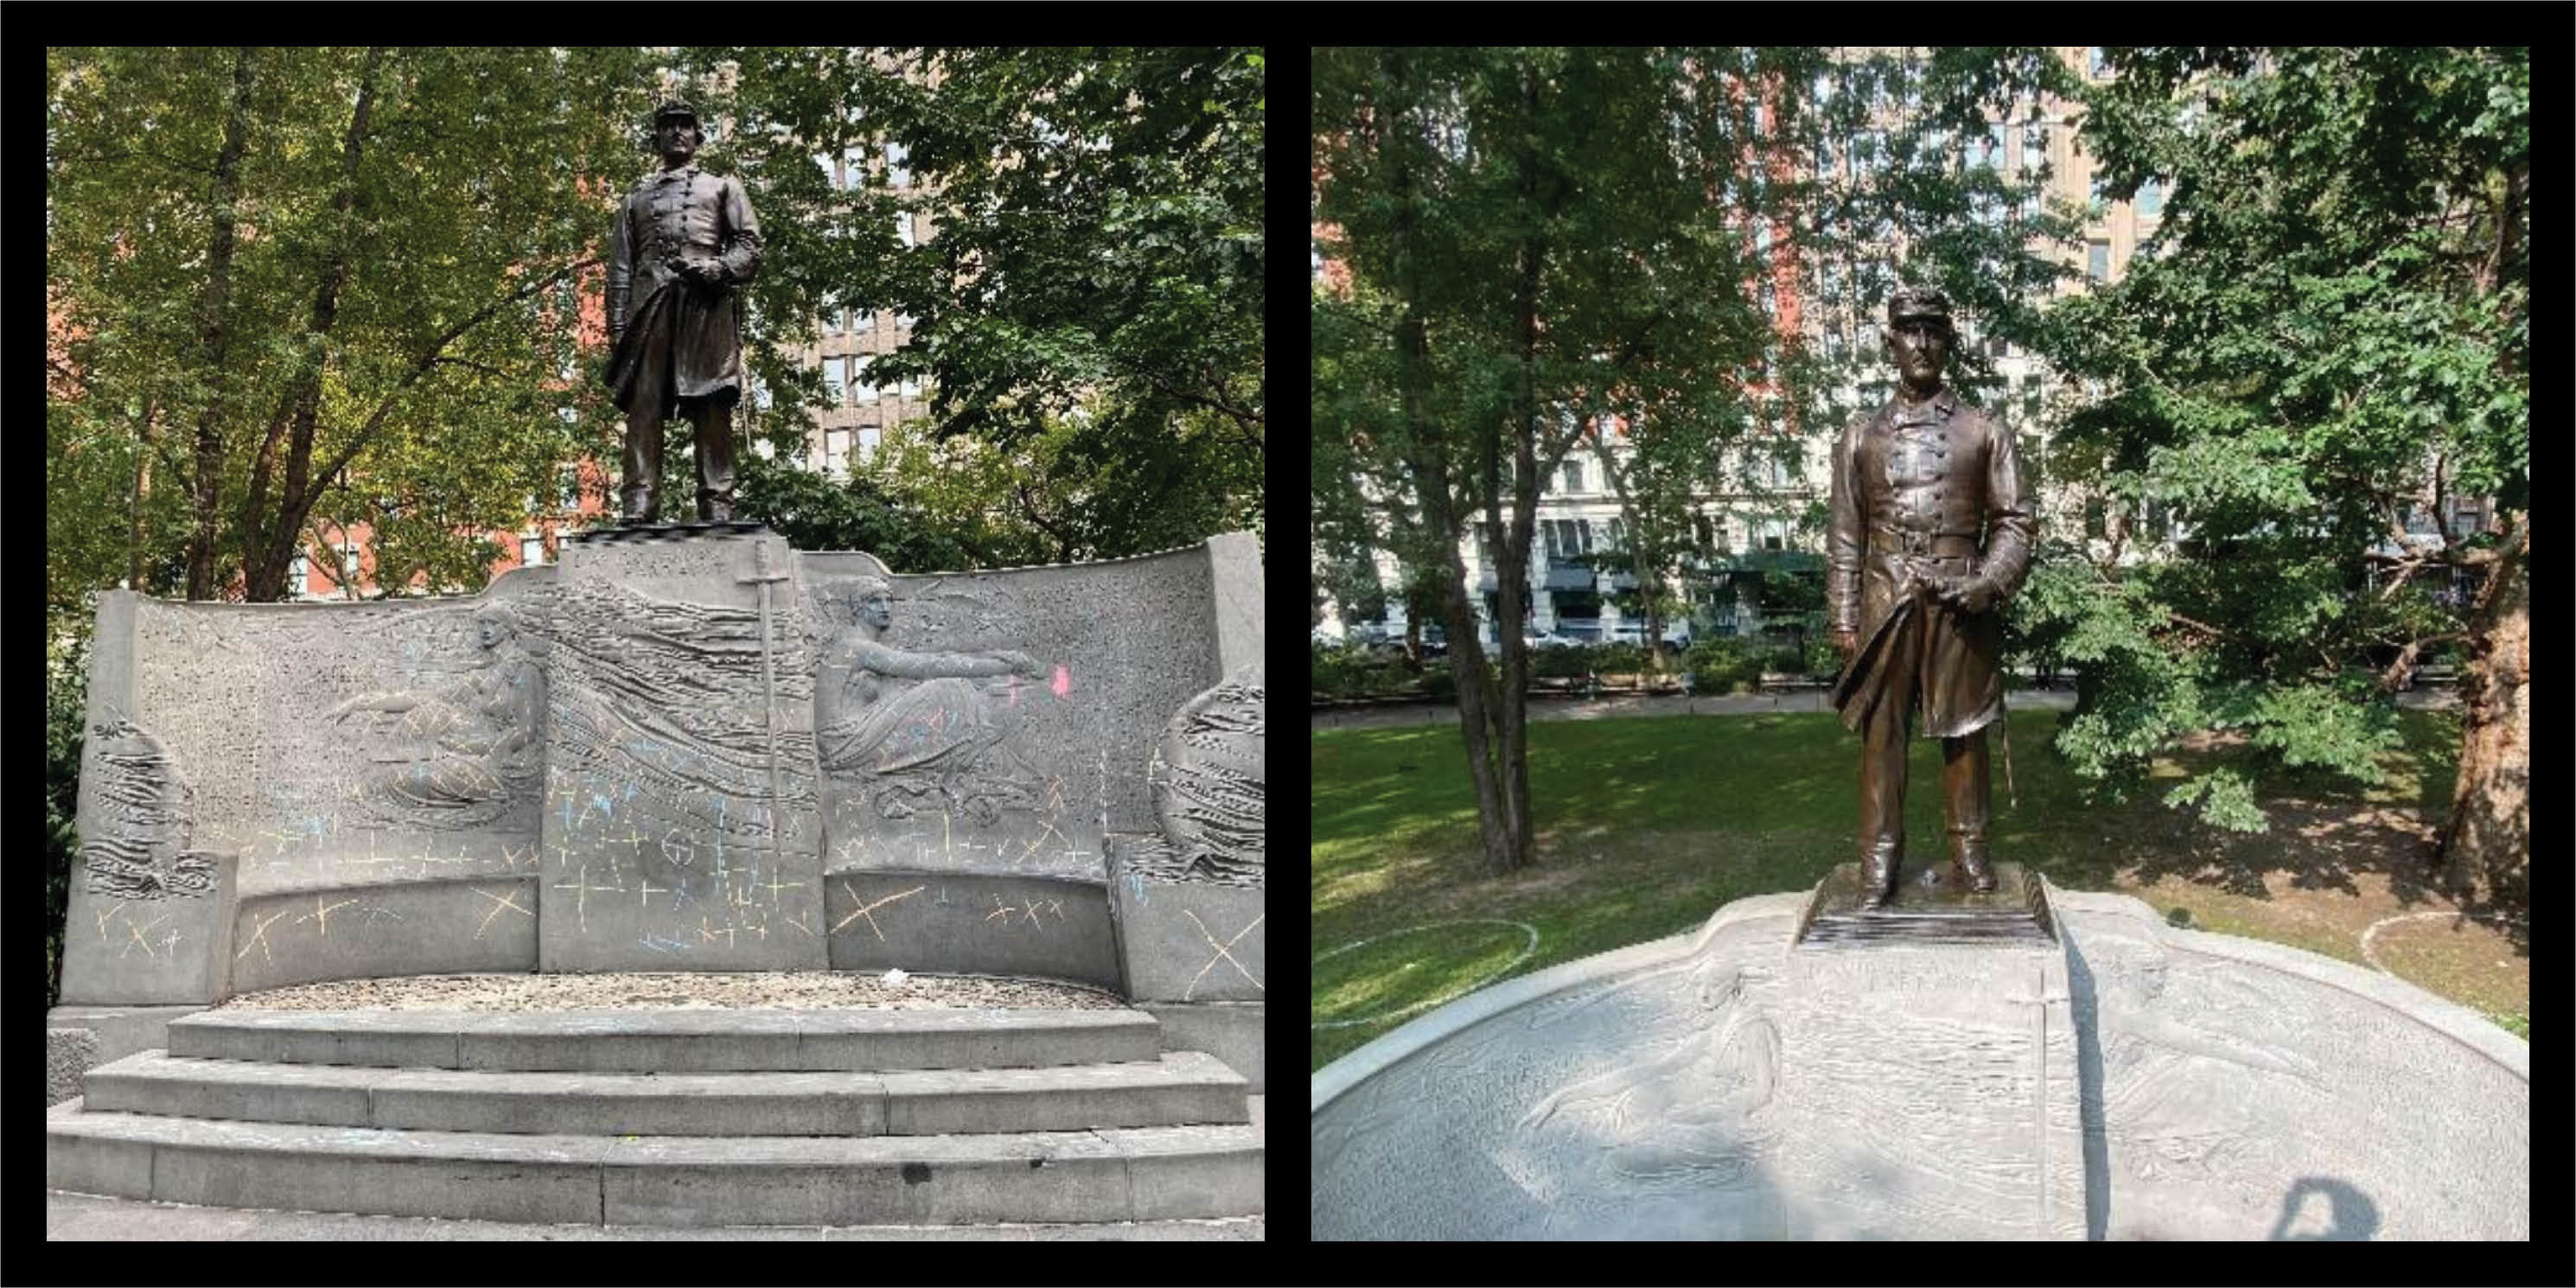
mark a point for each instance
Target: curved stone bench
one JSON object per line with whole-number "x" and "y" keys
{"x": 2132, "y": 1081}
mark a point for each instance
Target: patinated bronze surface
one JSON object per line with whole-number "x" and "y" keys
{"x": 1841, "y": 912}
{"x": 685, "y": 241}
{"x": 1931, "y": 529}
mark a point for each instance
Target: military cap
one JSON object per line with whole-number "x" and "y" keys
{"x": 1918, "y": 302}
{"x": 673, "y": 108}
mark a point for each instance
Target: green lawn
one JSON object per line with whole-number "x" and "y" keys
{"x": 1648, "y": 825}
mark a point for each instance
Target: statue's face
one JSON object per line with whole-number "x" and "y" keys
{"x": 876, "y": 611}
{"x": 1920, "y": 348}
{"x": 677, "y": 138}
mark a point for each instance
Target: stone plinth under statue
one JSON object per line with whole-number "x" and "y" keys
{"x": 685, "y": 748}
{"x": 2122, "y": 1080}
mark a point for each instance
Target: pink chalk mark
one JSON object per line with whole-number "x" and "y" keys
{"x": 1063, "y": 681}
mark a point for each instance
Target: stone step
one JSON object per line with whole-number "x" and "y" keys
{"x": 695, "y": 1041}
{"x": 1112, "y": 1174}
{"x": 1181, "y": 1087}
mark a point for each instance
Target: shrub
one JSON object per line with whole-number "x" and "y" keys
{"x": 1822, "y": 659}
{"x": 1719, "y": 665}
{"x": 1560, "y": 663}
{"x": 1618, "y": 658}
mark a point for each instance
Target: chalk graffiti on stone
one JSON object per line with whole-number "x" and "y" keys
{"x": 459, "y": 756}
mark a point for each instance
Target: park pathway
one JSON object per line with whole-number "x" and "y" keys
{"x": 1732, "y": 704}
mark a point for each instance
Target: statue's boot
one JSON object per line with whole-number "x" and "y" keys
{"x": 1968, "y": 851}
{"x": 1878, "y": 865}
{"x": 1963, "y": 782}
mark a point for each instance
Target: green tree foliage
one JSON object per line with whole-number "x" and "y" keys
{"x": 2329, "y": 331}
{"x": 300, "y": 284}
{"x": 1532, "y": 240}
{"x": 66, "y": 681}
{"x": 1083, "y": 271}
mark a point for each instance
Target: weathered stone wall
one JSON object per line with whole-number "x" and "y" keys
{"x": 631, "y": 762}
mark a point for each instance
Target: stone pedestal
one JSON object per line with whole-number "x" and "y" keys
{"x": 679, "y": 826}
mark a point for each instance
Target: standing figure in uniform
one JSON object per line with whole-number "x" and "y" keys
{"x": 685, "y": 241}
{"x": 1931, "y": 529}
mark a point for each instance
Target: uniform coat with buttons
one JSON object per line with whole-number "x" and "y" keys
{"x": 678, "y": 338}
{"x": 1924, "y": 492}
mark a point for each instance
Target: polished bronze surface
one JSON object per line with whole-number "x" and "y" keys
{"x": 1930, "y": 529}
{"x": 685, "y": 241}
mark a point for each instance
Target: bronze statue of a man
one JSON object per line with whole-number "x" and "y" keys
{"x": 685, "y": 241}
{"x": 1931, "y": 529}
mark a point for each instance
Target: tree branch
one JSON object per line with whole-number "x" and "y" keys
{"x": 428, "y": 359}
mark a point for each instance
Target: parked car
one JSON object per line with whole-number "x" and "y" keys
{"x": 1550, "y": 640}
{"x": 1676, "y": 637}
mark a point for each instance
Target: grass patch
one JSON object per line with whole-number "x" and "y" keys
{"x": 1646, "y": 826}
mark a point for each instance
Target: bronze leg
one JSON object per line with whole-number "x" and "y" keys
{"x": 1882, "y": 773}
{"x": 714, "y": 422}
{"x": 1963, "y": 791}
{"x": 643, "y": 463}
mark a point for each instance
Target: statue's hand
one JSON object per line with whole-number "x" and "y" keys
{"x": 1020, "y": 663}
{"x": 1970, "y": 594}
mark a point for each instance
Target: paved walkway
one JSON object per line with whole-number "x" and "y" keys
{"x": 1732, "y": 704}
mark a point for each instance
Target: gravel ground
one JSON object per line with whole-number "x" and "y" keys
{"x": 653, "y": 992}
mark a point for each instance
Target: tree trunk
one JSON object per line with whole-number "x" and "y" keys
{"x": 268, "y": 538}
{"x": 2485, "y": 853}
{"x": 209, "y": 481}
{"x": 1513, "y": 723}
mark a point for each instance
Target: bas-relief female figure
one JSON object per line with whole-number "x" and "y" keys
{"x": 926, "y": 738}
{"x": 482, "y": 735}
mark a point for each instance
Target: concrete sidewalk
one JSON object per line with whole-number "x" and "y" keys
{"x": 1731, "y": 704}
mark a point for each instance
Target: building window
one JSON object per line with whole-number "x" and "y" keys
{"x": 2098, "y": 260}
{"x": 2034, "y": 146}
{"x": 1774, "y": 534}
{"x": 1573, "y": 476}
{"x": 2151, "y": 197}
{"x": 836, "y": 452}
{"x": 299, "y": 575}
{"x": 912, "y": 386}
{"x": 854, "y": 168}
{"x": 832, "y": 382}
{"x": 2094, "y": 66}
{"x": 532, "y": 550}
{"x": 348, "y": 563}
{"x": 568, "y": 487}
{"x": 862, "y": 389}
{"x": 869, "y": 437}
{"x": 903, "y": 227}
{"x": 897, "y": 175}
